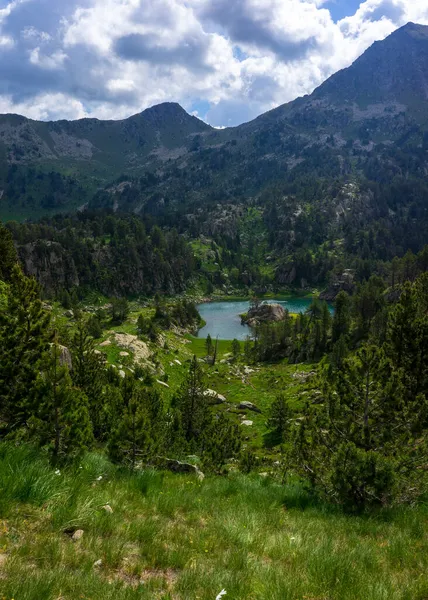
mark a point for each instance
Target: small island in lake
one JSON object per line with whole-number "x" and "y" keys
{"x": 263, "y": 313}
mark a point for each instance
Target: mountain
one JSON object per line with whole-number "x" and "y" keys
{"x": 366, "y": 124}
{"x": 58, "y": 163}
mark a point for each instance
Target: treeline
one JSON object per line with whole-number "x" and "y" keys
{"x": 118, "y": 255}
{"x": 57, "y": 391}
{"x": 322, "y": 226}
{"x": 33, "y": 189}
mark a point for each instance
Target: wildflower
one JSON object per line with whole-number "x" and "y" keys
{"x": 99, "y": 478}
{"x": 221, "y": 594}
{"x": 57, "y": 472}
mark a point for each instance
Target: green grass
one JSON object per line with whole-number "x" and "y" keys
{"x": 176, "y": 538}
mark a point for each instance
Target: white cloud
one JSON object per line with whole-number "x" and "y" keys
{"x": 54, "y": 61}
{"x": 112, "y": 58}
{"x": 45, "y": 107}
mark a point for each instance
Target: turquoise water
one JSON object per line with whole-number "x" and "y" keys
{"x": 223, "y": 320}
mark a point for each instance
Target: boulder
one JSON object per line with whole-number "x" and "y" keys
{"x": 106, "y": 343}
{"x": 215, "y": 397}
{"x": 249, "y": 406}
{"x": 108, "y": 509}
{"x": 264, "y": 313}
{"x": 247, "y": 423}
{"x": 176, "y": 466}
{"x": 77, "y": 535}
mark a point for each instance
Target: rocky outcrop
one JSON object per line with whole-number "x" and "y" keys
{"x": 139, "y": 349}
{"x": 264, "y": 313}
{"x": 50, "y": 264}
{"x": 344, "y": 283}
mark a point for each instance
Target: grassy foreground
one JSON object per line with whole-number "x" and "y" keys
{"x": 176, "y": 538}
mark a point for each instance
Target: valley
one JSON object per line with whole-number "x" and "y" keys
{"x": 213, "y": 366}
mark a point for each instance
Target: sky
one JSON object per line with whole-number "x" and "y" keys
{"x": 225, "y": 61}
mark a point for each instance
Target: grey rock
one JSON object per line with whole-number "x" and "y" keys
{"x": 77, "y": 535}
{"x": 264, "y": 313}
{"x": 215, "y": 397}
{"x": 176, "y": 466}
{"x": 249, "y": 406}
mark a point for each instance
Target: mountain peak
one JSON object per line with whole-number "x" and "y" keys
{"x": 169, "y": 112}
{"x": 413, "y": 29}
{"x": 170, "y": 107}
{"x": 393, "y": 70}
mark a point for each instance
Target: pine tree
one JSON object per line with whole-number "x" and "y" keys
{"x": 192, "y": 403}
{"x": 342, "y": 316}
{"x": 407, "y": 337}
{"x": 222, "y": 441}
{"x": 339, "y": 353}
{"x": 363, "y": 431}
{"x": 367, "y": 302}
{"x": 65, "y": 299}
{"x": 326, "y": 322}
{"x": 8, "y": 257}
{"x": 61, "y": 419}
{"x": 94, "y": 327}
{"x": 209, "y": 345}
{"x": 235, "y": 349}
{"x": 87, "y": 372}
{"x": 131, "y": 441}
{"x": 248, "y": 350}
{"x": 280, "y": 416}
{"x": 119, "y": 310}
{"x": 24, "y": 340}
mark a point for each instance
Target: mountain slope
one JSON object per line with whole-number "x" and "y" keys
{"x": 164, "y": 127}
{"x": 367, "y": 121}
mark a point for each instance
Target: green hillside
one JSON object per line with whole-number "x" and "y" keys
{"x": 174, "y": 537}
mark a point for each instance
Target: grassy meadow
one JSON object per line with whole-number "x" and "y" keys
{"x": 177, "y": 538}
{"x": 174, "y": 537}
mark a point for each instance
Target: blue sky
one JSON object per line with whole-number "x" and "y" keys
{"x": 340, "y": 9}
{"x": 226, "y": 61}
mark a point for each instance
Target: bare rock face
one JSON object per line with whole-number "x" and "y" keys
{"x": 344, "y": 283}
{"x": 50, "y": 264}
{"x": 264, "y": 313}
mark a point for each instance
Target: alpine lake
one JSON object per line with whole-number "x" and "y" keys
{"x": 223, "y": 318}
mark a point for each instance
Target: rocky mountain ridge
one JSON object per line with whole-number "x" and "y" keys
{"x": 365, "y": 123}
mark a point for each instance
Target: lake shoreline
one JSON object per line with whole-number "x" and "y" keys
{"x": 223, "y": 317}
